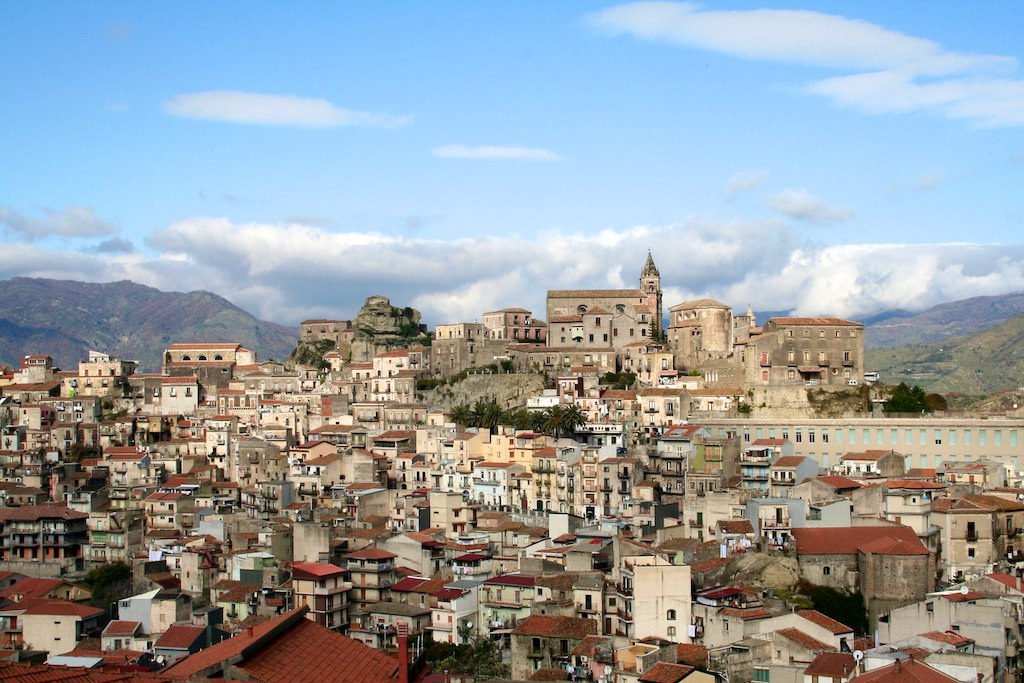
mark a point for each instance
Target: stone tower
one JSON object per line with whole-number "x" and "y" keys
{"x": 650, "y": 284}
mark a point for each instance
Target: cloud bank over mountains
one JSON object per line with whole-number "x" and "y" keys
{"x": 286, "y": 272}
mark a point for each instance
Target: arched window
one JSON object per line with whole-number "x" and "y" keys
{"x": 826, "y": 570}
{"x": 581, "y": 309}
{"x": 218, "y": 357}
{"x": 620, "y": 309}
{"x": 671, "y": 631}
{"x": 186, "y": 357}
{"x": 671, "y": 615}
{"x": 201, "y": 358}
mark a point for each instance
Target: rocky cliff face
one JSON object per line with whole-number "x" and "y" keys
{"x": 378, "y": 317}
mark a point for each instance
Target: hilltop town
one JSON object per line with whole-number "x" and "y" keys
{"x": 629, "y": 489}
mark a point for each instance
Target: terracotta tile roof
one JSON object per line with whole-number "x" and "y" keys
{"x": 122, "y": 628}
{"x": 736, "y": 526}
{"x": 905, "y": 671}
{"x": 804, "y": 640}
{"x": 1008, "y": 580}
{"x": 948, "y": 637}
{"x": 847, "y": 540}
{"x": 826, "y": 622}
{"x": 838, "y": 482}
{"x": 750, "y": 614}
{"x": 394, "y": 435}
{"x": 789, "y": 461}
{"x": 891, "y": 546}
{"x": 664, "y": 672}
{"x": 604, "y": 293}
{"x": 370, "y": 554}
{"x": 555, "y": 627}
{"x": 866, "y": 456}
{"x": 46, "y": 606}
{"x": 969, "y": 596}
{"x": 770, "y": 442}
{"x": 179, "y": 637}
{"x": 695, "y": 655}
{"x": 832, "y": 664}
{"x": 512, "y": 580}
{"x": 33, "y": 513}
{"x": 292, "y": 648}
{"x": 912, "y": 484}
{"x": 31, "y": 588}
{"x": 975, "y": 504}
{"x": 815, "y": 321}
{"x": 315, "y": 570}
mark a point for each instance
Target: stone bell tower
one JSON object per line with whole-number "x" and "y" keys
{"x": 650, "y": 284}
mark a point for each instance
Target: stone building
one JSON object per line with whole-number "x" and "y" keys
{"x": 806, "y": 351}
{"x": 606, "y": 318}
{"x": 515, "y": 325}
{"x": 699, "y": 331}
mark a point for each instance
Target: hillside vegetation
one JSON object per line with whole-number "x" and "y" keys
{"x": 982, "y": 363}
{"x": 66, "y": 319}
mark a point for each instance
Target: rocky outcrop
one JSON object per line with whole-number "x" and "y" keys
{"x": 378, "y": 317}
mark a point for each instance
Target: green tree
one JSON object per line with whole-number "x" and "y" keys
{"x": 462, "y": 415}
{"x": 482, "y": 658}
{"x": 108, "y": 583}
{"x": 906, "y": 399}
{"x": 487, "y": 414}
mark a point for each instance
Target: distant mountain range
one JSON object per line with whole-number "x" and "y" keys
{"x": 953, "y": 319}
{"x": 982, "y": 363}
{"x": 66, "y": 319}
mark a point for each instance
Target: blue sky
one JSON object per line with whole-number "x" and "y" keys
{"x": 832, "y": 157}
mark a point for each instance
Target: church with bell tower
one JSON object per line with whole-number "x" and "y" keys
{"x": 650, "y": 284}
{"x": 607, "y": 319}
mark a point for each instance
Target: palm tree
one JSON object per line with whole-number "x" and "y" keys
{"x": 553, "y": 421}
{"x": 573, "y": 418}
{"x": 461, "y": 415}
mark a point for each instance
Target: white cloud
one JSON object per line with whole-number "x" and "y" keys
{"x": 744, "y": 181}
{"x": 802, "y": 205}
{"x": 857, "y": 280}
{"x": 984, "y": 102}
{"x": 71, "y": 221}
{"x": 286, "y": 272}
{"x": 273, "y": 110}
{"x": 896, "y": 72}
{"x": 496, "y": 152}
{"x": 798, "y": 36}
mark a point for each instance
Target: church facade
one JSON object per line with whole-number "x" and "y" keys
{"x": 607, "y": 319}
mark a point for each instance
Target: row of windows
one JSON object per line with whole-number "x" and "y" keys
{"x": 886, "y": 437}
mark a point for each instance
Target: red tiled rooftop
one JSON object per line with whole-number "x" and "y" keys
{"x": 905, "y": 671}
{"x": 847, "y": 540}
{"x": 370, "y": 554}
{"x": 555, "y": 627}
{"x": 291, "y": 648}
{"x": 826, "y": 622}
{"x": 804, "y": 640}
{"x": 664, "y": 672}
{"x": 315, "y": 570}
{"x": 179, "y": 637}
{"x": 121, "y": 628}
{"x": 832, "y": 665}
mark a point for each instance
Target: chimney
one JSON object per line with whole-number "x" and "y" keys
{"x": 403, "y": 652}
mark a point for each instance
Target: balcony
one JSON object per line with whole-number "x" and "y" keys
{"x": 775, "y": 523}
{"x": 972, "y": 536}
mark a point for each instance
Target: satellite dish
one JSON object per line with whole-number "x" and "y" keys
{"x": 469, "y": 624}
{"x": 857, "y": 655}
{"x": 964, "y": 590}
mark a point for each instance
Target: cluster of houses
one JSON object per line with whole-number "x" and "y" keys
{"x": 265, "y": 511}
